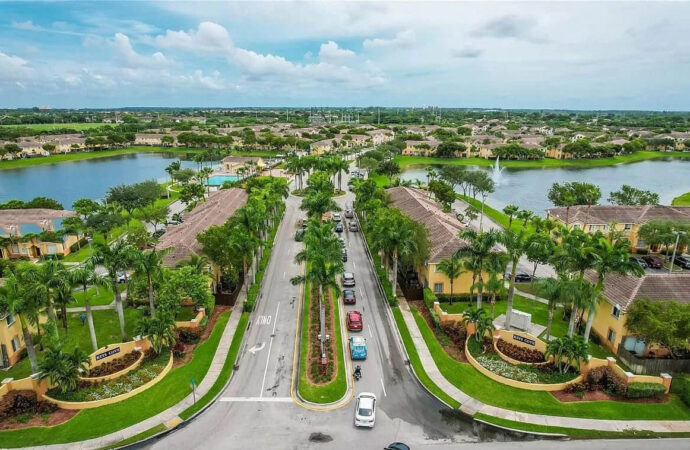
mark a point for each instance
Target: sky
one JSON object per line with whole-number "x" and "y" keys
{"x": 551, "y": 55}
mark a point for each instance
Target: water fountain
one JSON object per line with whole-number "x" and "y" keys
{"x": 496, "y": 172}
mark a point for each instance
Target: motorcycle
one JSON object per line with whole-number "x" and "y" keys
{"x": 358, "y": 373}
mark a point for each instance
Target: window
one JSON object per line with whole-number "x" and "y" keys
{"x": 627, "y": 227}
{"x": 9, "y": 319}
{"x": 616, "y": 312}
{"x": 611, "y": 336}
{"x": 438, "y": 288}
{"x": 15, "y": 343}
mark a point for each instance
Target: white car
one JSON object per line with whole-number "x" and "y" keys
{"x": 336, "y": 217}
{"x": 365, "y": 410}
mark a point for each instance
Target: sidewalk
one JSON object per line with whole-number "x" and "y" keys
{"x": 169, "y": 417}
{"x": 472, "y": 406}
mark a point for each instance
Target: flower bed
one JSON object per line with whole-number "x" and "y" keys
{"x": 114, "y": 365}
{"x": 152, "y": 366}
{"x": 518, "y": 353}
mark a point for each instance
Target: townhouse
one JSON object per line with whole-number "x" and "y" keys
{"x": 16, "y": 245}
{"x": 11, "y": 340}
{"x": 420, "y": 148}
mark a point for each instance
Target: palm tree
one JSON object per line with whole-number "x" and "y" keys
{"x": 172, "y": 168}
{"x": 159, "y": 329}
{"x": 452, "y": 268}
{"x": 495, "y": 285}
{"x": 515, "y": 245}
{"x": 477, "y": 252}
{"x": 572, "y": 349}
{"x": 556, "y": 291}
{"x": 200, "y": 263}
{"x": 340, "y": 166}
{"x": 243, "y": 245}
{"x": 477, "y": 316}
{"x": 149, "y": 264}
{"x": 203, "y": 175}
{"x": 86, "y": 276}
{"x": 525, "y": 215}
{"x": 45, "y": 280}
{"x": 15, "y": 300}
{"x": 510, "y": 211}
{"x": 63, "y": 297}
{"x": 114, "y": 258}
{"x": 63, "y": 369}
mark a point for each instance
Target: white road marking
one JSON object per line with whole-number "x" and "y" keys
{"x": 370, "y": 333}
{"x": 268, "y": 358}
{"x": 257, "y": 348}
{"x": 354, "y": 264}
{"x": 264, "y": 320}
{"x": 361, "y": 291}
{"x": 256, "y": 399}
{"x": 384, "y": 388}
{"x": 284, "y": 275}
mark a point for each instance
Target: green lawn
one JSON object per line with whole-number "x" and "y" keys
{"x": 96, "y": 422}
{"x": 104, "y": 296}
{"x": 137, "y": 437}
{"x": 76, "y": 126}
{"x": 406, "y": 161}
{"x": 77, "y": 335}
{"x": 417, "y": 363}
{"x": 575, "y": 433}
{"x": 473, "y": 383}
{"x": 682, "y": 200}
{"x": 497, "y": 216}
{"x": 321, "y": 393}
{"x": 225, "y": 372}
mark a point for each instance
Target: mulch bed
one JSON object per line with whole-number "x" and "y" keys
{"x": 189, "y": 348}
{"x": 22, "y": 409}
{"x": 318, "y": 373}
{"x": 455, "y": 352}
{"x": 595, "y": 396}
{"x": 48, "y": 420}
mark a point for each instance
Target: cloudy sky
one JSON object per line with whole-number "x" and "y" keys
{"x": 579, "y": 55}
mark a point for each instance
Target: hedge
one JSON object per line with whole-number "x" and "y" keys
{"x": 645, "y": 390}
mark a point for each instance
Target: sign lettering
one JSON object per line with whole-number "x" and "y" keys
{"x": 519, "y": 338}
{"x": 111, "y": 352}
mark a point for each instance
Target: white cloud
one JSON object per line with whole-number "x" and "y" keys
{"x": 14, "y": 68}
{"x": 132, "y": 59}
{"x": 402, "y": 39}
{"x": 208, "y": 38}
{"x": 332, "y": 53}
{"x": 26, "y": 25}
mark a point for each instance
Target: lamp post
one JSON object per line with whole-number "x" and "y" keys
{"x": 675, "y": 247}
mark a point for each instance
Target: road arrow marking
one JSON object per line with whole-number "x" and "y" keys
{"x": 257, "y": 348}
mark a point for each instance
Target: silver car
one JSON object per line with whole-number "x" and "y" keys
{"x": 365, "y": 410}
{"x": 348, "y": 279}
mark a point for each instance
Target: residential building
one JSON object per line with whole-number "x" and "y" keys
{"x": 11, "y": 341}
{"x": 558, "y": 153}
{"x": 323, "y": 146}
{"x": 17, "y": 246}
{"x": 148, "y": 139}
{"x": 379, "y": 137}
{"x": 627, "y": 219}
{"x": 443, "y": 231}
{"x": 620, "y": 292}
{"x": 420, "y": 148}
{"x": 232, "y": 163}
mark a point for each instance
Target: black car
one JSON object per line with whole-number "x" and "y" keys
{"x": 640, "y": 261}
{"x": 299, "y": 235}
{"x": 344, "y": 255}
{"x": 682, "y": 261}
{"x": 654, "y": 262}
{"x": 397, "y": 446}
{"x": 520, "y": 277}
{"x": 339, "y": 227}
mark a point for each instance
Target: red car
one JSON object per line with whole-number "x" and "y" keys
{"x": 349, "y": 297}
{"x": 354, "y": 321}
{"x": 654, "y": 262}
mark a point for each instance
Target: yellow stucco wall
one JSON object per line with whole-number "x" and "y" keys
{"x": 461, "y": 285}
{"x": 604, "y": 320}
{"x": 7, "y": 333}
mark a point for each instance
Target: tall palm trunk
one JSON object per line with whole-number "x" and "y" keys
{"x": 119, "y": 308}
{"x": 590, "y": 320}
{"x": 51, "y": 313}
{"x": 30, "y": 350}
{"x": 571, "y": 324}
{"x": 451, "y": 291}
{"x": 63, "y": 312}
{"x": 511, "y": 293}
{"x": 151, "y": 304}
{"x": 549, "y": 321}
{"x": 89, "y": 321}
{"x": 394, "y": 281}
{"x": 493, "y": 304}
{"x": 480, "y": 289}
{"x": 246, "y": 278}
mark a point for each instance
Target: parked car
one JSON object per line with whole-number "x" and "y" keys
{"x": 349, "y": 279}
{"x": 353, "y": 226}
{"x": 358, "y": 347}
{"x": 520, "y": 277}
{"x": 336, "y": 217}
{"x": 640, "y": 261}
{"x": 344, "y": 255}
{"x": 397, "y": 446}
{"x": 354, "y": 321}
{"x": 654, "y": 262}
{"x": 158, "y": 233}
{"x": 339, "y": 228}
{"x": 682, "y": 261}
{"x": 365, "y": 410}
{"x": 342, "y": 242}
{"x": 350, "y": 188}
{"x": 349, "y": 214}
{"x": 299, "y": 235}
{"x": 349, "y": 297}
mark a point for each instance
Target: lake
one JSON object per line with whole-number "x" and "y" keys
{"x": 69, "y": 181}
{"x": 527, "y": 188}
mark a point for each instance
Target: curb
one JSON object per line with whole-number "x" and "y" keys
{"x": 549, "y": 436}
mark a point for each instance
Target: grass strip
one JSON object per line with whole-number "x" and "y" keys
{"x": 473, "y": 383}
{"x": 575, "y": 433}
{"x": 137, "y": 437}
{"x": 92, "y": 423}
{"x": 417, "y": 363}
{"x": 321, "y": 393}
{"x": 225, "y": 372}
{"x": 682, "y": 200}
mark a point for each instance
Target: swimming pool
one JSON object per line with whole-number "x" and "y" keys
{"x": 218, "y": 180}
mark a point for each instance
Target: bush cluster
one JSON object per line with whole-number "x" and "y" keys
{"x": 523, "y": 354}
{"x": 602, "y": 379}
{"x": 17, "y": 403}
{"x": 188, "y": 335}
{"x": 115, "y": 365}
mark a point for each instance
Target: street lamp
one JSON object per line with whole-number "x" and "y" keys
{"x": 675, "y": 247}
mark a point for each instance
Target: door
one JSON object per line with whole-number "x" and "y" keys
{"x": 4, "y": 359}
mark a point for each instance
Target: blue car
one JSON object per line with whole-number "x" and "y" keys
{"x": 358, "y": 347}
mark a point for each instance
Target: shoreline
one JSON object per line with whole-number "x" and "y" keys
{"x": 407, "y": 162}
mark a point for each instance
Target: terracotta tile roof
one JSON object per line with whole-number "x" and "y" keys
{"x": 443, "y": 227}
{"x": 214, "y": 211}
{"x": 624, "y": 290}
{"x": 604, "y": 214}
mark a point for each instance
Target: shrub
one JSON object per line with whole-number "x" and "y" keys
{"x": 18, "y": 403}
{"x": 576, "y": 388}
{"x": 115, "y": 365}
{"x": 189, "y": 335}
{"x": 645, "y": 390}
{"x": 429, "y": 298}
{"x": 523, "y": 354}
{"x": 681, "y": 386}
{"x": 605, "y": 379}
{"x": 456, "y": 333}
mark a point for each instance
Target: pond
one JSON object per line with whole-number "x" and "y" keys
{"x": 69, "y": 181}
{"x": 528, "y": 188}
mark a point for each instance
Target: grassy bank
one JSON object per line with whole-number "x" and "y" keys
{"x": 407, "y": 161}
{"x": 497, "y": 216}
{"x": 91, "y": 423}
{"x": 328, "y": 392}
{"x": 79, "y": 156}
{"x": 473, "y": 383}
{"x": 682, "y": 200}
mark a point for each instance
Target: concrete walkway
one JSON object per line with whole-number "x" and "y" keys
{"x": 170, "y": 417}
{"x": 472, "y": 406}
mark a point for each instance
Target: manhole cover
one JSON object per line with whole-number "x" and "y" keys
{"x": 319, "y": 437}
